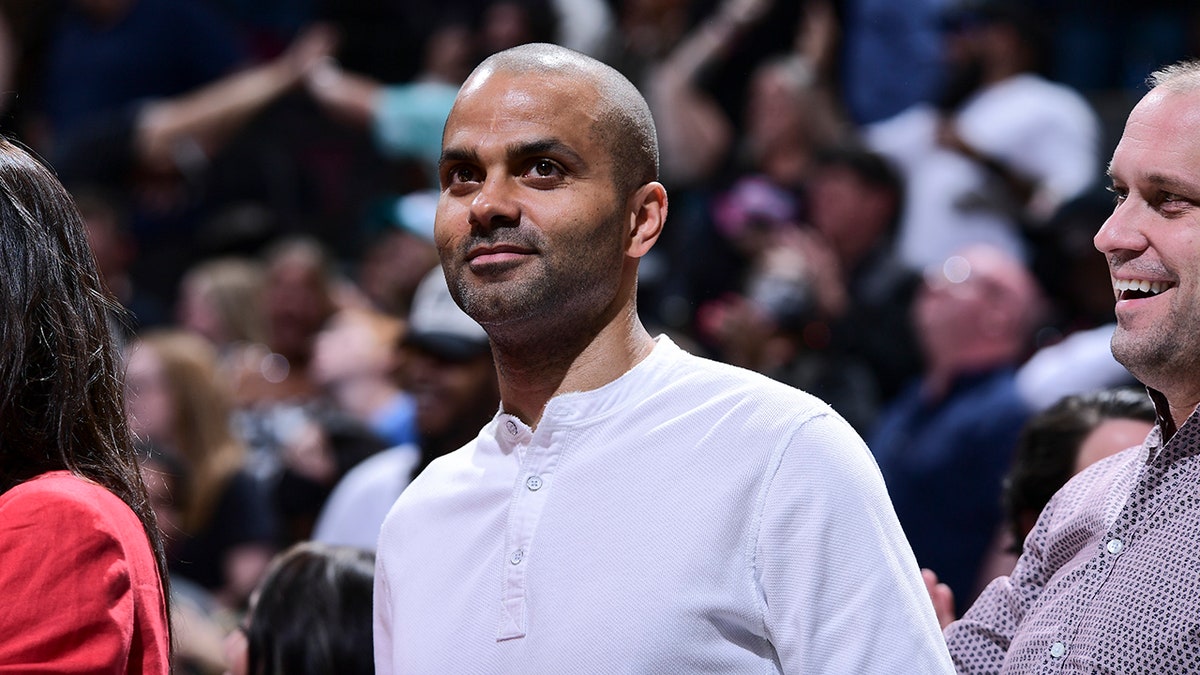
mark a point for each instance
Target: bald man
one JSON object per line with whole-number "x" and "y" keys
{"x": 1107, "y": 579}
{"x": 630, "y": 508}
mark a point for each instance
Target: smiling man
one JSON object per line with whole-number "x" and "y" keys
{"x": 1107, "y": 582}
{"x": 631, "y": 508}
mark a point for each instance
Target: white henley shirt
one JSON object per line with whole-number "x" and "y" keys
{"x": 688, "y": 517}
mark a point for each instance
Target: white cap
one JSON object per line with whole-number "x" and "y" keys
{"x": 437, "y": 325}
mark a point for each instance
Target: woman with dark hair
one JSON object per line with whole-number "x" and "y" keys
{"x": 1065, "y": 439}
{"x": 1055, "y": 444}
{"x": 311, "y": 615}
{"x": 83, "y": 578}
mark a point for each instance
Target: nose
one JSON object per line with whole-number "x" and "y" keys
{"x": 1121, "y": 231}
{"x": 494, "y": 204}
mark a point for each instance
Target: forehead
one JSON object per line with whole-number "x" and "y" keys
{"x": 508, "y": 108}
{"x": 1161, "y": 141}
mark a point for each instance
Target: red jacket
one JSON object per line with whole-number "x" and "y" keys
{"x": 79, "y": 589}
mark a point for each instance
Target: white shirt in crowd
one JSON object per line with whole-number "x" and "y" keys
{"x": 354, "y": 512}
{"x": 1042, "y": 130}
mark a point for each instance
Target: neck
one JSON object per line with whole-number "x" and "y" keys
{"x": 1180, "y": 403}
{"x": 534, "y": 369}
{"x": 944, "y": 368}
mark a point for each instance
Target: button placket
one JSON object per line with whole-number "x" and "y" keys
{"x": 537, "y": 454}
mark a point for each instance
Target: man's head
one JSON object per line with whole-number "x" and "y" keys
{"x": 1063, "y": 440}
{"x": 977, "y": 310}
{"x": 447, "y": 367}
{"x": 548, "y": 185}
{"x": 1152, "y": 238}
{"x": 855, "y": 199}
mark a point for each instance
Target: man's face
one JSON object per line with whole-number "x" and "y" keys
{"x": 448, "y": 393}
{"x": 975, "y": 296}
{"x": 1152, "y": 241}
{"x": 529, "y": 225}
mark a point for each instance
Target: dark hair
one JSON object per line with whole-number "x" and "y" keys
{"x": 1049, "y": 444}
{"x": 872, "y": 168}
{"x": 313, "y": 613}
{"x": 61, "y": 404}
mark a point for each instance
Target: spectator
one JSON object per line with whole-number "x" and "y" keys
{"x": 176, "y": 402}
{"x": 221, "y": 299}
{"x": 1000, "y": 150}
{"x": 815, "y": 301}
{"x": 1065, "y": 439}
{"x": 355, "y": 359}
{"x": 106, "y": 56}
{"x": 116, "y": 252}
{"x": 310, "y": 616}
{"x": 1107, "y": 579}
{"x": 400, "y": 251}
{"x": 580, "y": 497}
{"x": 84, "y": 576}
{"x": 447, "y": 369}
{"x": 405, "y": 119}
{"x": 948, "y": 438}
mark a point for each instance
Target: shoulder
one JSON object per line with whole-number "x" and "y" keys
{"x": 383, "y": 475}
{"x": 107, "y": 589}
{"x": 64, "y": 497}
{"x": 82, "y": 515}
{"x": 697, "y": 371}
{"x": 1098, "y": 478}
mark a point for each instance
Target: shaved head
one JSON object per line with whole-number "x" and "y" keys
{"x": 624, "y": 125}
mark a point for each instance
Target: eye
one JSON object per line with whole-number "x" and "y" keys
{"x": 460, "y": 173}
{"x": 1119, "y": 194}
{"x": 1172, "y": 203}
{"x": 545, "y": 168}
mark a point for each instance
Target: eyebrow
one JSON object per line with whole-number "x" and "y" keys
{"x": 457, "y": 155}
{"x": 1162, "y": 182}
{"x": 545, "y": 146}
{"x": 1172, "y": 184}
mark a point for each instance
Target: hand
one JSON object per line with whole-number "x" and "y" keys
{"x": 743, "y": 12}
{"x": 806, "y": 251}
{"x": 312, "y": 48}
{"x": 739, "y": 328}
{"x": 309, "y": 454}
{"x": 941, "y": 596}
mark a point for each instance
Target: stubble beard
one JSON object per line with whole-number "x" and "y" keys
{"x": 552, "y": 297}
{"x": 1163, "y": 354}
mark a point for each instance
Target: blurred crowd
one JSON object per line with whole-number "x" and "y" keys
{"x": 888, "y": 204}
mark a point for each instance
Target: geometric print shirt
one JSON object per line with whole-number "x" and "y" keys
{"x": 1109, "y": 581}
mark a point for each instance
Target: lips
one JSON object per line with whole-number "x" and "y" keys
{"x": 497, "y": 253}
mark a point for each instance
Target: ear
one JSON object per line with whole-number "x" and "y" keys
{"x": 647, "y": 213}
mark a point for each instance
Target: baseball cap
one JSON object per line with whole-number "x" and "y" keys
{"x": 437, "y": 325}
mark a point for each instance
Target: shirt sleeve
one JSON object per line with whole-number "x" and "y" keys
{"x": 841, "y": 587}
{"x": 68, "y": 600}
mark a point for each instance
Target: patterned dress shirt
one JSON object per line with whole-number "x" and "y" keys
{"x": 1110, "y": 578}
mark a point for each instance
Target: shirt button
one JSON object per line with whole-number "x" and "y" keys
{"x": 534, "y": 483}
{"x": 517, "y": 556}
{"x": 1114, "y": 546}
{"x": 512, "y": 427}
{"x": 1057, "y": 650}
